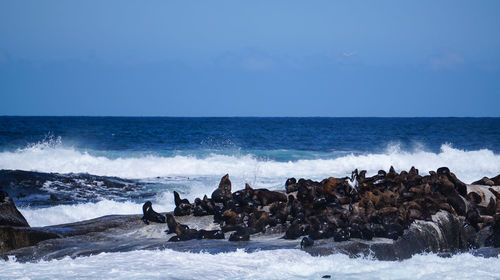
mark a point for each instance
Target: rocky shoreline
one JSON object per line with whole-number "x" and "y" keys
{"x": 389, "y": 216}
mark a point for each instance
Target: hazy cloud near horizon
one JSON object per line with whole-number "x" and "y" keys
{"x": 259, "y": 58}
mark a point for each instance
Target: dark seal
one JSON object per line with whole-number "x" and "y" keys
{"x": 150, "y": 215}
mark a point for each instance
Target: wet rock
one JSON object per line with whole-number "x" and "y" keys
{"x": 15, "y": 231}
{"x": 496, "y": 232}
{"x": 18, "y": 237}
{"x": 19, "y": 183}
{"x": 9, "y": 215}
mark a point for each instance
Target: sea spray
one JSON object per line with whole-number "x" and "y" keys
{"x": 268, "y": 264}
{"x": 467, "y": 165}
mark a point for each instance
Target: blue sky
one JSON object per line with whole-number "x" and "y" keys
{"x": 250, "y": 58}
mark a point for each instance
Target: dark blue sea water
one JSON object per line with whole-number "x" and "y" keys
{"x": 154, "y": 156}
{"x": 174, "y": 135}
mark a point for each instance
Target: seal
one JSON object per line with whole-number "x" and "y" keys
{"x": 241, "y": 234}
{"x": 306, "y": 242}
{"x": 210, "y": 234}
{"x": 182, "y": 232}
{"x": 174, "y": 226}
{"x": 266, "y": 197}
{"x": 223, "y": 192}
{"x": 149, "y": 215}
{"x": 182, "y": 206}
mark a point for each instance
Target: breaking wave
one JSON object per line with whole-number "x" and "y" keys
{"x": 54, "y": 157}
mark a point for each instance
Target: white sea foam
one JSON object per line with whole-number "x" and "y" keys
{"x": 275, "y": 264}
{"x": 61, "y": 214}
{"x": 468, "y": 165}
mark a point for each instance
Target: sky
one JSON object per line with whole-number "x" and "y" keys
{"x": 250, "y": 58}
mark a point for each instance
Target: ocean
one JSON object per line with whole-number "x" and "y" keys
{"x": 154, "y": 156}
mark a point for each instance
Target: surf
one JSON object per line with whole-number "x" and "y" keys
{"x": 56, "y": 157}
{"x": 267, "y": 264}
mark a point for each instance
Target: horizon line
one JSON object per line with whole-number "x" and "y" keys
{"x": 166, "y": 116}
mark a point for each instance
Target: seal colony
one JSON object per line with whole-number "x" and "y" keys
{"x": 404, "y": 213}
{"x": 360, "y": 207}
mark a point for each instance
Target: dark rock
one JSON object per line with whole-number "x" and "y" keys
{"x": 9, "y": 215}
{"x": 394, "y": 230}
{"x": 496, "y": 232}
{"x": 482, "y": 238}
{"x": 14, "y": 229}
{"x": 19, "y": 183}
{"x": 441, "y": 234}
{"x": 18, "y": 237}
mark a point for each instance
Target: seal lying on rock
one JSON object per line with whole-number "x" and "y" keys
{"x": 183, "y": 232}
{"x": 149, "y": 215}
{"x": 495, "y": 181}
{"x": 241, "y": 234}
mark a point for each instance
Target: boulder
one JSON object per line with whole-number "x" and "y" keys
{"x": 18, "y": 237}
{"x": 443, "y": 234}
{"x": 15, "y": 231}
{"x": 9, "y": 215}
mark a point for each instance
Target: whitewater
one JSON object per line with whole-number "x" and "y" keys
{"x": 273, "y": 264}
{"x": 467, "y": 165}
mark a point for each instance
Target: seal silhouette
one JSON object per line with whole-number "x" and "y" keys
{"x": 149, "y": 215}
